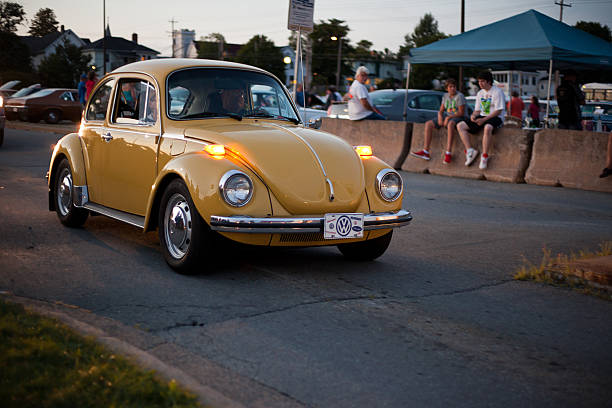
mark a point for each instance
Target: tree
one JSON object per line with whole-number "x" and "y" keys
{"x": 63, "y": 68}
{"x": 11, "y": 15}
{"x": 44, "y": 23}
{"x": 261, "y": 52}
{"x": 325, "y": 51}
{"x": 426, "y": 32}
{"x": 209, "y": 46}
{"x": 363, "y": 50}
{"x": 596, "y": 29}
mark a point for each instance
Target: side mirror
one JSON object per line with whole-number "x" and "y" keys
{"x": 314, "y": 123}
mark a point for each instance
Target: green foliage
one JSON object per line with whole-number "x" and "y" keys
{"x": 15, "y": 54}
{"x": 44, "y": 23}
{"x": 424, "y": 33}
{"x": 261, "y": 52}
{"x": 63, "y": 68}
{"x": 209, "y": 47}
{"x": 596, "y": 29}
{"x": 44, "y": 364}
{"x": 325, "y": 51}
{"x": 11, "y": 15}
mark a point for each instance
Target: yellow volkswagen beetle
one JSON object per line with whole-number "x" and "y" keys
{"x": 189, "y": 147}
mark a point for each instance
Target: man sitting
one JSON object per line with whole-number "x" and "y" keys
{"x": 452, "y": 111}
{"x": 488, "y": 114}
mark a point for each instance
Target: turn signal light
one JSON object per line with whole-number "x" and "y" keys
{"x": 215, "y": 149}
{"x": 363, "y": 151}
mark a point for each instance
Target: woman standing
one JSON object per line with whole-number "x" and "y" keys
{"x": 534, "y": 111}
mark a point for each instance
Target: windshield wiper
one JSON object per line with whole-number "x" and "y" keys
{"x": 269, "y": 115}
{"x": 212, "y": 114}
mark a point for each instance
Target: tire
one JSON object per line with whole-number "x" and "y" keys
{"x": 185, "y": 238}
{"x": 63, "y": 190}
{"x": 366, "y": 250}
{"x": 53, "y": 116}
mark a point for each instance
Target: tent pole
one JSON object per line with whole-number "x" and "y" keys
{"x": 405, "y": 115}
{"x": 548, "y": 92}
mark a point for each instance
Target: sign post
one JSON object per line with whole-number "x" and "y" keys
{"x": 300, "y": 20}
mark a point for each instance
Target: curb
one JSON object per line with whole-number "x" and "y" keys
{"x": 153, "y": 353}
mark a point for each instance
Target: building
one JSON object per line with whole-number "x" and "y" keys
{"x": 42, "y": 47}
{"x": 525, "y": 83}
{"x": 119, "y": 52}
{"x": 183, "y": 44}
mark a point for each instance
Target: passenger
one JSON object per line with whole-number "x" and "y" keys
{"x": 488, "y": 114}
{"x": 360, "y": 105}
{"x": 451, "y": 112}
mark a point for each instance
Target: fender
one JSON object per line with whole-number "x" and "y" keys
{"x": 371, "y": 166}
{"x": 201, "y": 174}
{"x": 69, "y": 146}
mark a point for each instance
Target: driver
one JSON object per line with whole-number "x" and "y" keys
{"x": 233, "y": 100}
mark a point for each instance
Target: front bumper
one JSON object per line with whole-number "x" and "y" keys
{"x": 273, "y": 225}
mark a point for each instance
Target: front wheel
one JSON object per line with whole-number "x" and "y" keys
{"x": 63, "y": 191}
{"x": 366, "y": 250}
{"x": 184, "y": 236}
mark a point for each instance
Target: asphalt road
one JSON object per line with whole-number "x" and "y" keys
{"x": 437, "y": 321}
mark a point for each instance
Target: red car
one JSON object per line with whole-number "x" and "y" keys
{"x": 52, "y": 105}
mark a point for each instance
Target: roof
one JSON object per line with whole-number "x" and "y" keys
{"x": 160, "y": 68}
{"x": 38, "y": 44}
{"x": 525, "y": 41}
{"x": 229, "y": 49}
{"x": 120, "y": 44}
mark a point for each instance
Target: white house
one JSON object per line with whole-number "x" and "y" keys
{"x": 42, "y": 47}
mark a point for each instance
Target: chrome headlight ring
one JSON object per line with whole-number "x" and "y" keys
{"x": 389, "y": 184}
{"x": 236, "y": 188}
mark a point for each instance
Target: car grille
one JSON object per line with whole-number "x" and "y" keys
{"x": 302, "y": 237}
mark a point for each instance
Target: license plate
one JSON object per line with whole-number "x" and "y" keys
{"x": 343, "y": 226}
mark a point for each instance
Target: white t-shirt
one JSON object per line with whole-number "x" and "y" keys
{"x": 356, "y": 110}
{"x": 490, "y": 101}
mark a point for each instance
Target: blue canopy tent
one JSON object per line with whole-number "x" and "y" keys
{"x": 527, "y": 41}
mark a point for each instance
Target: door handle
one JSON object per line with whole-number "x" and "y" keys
{"x": 107, "y": 137}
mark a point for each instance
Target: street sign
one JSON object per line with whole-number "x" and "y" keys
{"x": 300, "y": 15}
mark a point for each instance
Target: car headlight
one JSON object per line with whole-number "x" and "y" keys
{"x": 236, "y": 188}
{"x": 389, "y": 184}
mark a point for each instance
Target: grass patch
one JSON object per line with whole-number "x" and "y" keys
{"x": 45, "y": 364}
{"x": 557, "y": 270}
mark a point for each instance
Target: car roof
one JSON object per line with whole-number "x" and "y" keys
{"x": 161, "y": 67}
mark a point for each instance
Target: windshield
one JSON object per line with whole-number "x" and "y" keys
{"x": 25, "y": 91}
{"x": 215, "y": 92}
{"x": 40, "y": 94}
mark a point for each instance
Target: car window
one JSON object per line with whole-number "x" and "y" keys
{"x": 135, "y": 102}
{"x": 429, "y": 102}
{"x": 215, "y": 92}
{"x": 98, "y": 103}
{"x": 66, "y": 96}
{"x": 383, "y": 98}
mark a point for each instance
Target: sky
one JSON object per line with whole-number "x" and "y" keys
{"x": 383, "y": 22}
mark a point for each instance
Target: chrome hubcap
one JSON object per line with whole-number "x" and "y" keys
{"x": 177, "y": 226}
{"x": 64, "y": 192}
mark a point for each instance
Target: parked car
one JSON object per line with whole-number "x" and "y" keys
{"x": 422, "y": 105}
{"x": 9, "y": 88}
{"x": 52, "y": 105}
{"x": 268, "y": 101}
{"x": 194, "y": 157}
{"x": 2, "y": 120}
{"x": 28, "y": 90}
{"x": 594, "y": 112}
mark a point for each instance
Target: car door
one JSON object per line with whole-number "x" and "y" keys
{"x": 92, "y": 133}
{"x": 423, "y": 107}
{"x": 132, "y": 136}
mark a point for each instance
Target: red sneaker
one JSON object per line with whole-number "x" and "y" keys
{"x": 422, "y": 154}
{"x": 447, "y": 158}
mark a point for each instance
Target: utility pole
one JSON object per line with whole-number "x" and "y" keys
{"x": 561, "y": 5}
{"x": 103, "y": 37}
{"x": 462, "y": 30}
{"x": 172, "y": 34}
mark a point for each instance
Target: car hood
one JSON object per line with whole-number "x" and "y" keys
{"x": 294, "y": 162}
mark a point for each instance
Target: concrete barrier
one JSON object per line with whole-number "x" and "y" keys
{"x": 509, "y": 157}
{"x": 390, "y": 140}
{"x": 569, "y": 158}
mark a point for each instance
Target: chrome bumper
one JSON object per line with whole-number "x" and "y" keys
{"x": 273, "y": 225}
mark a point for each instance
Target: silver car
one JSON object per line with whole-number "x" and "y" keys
{"x": 422, "y": 105}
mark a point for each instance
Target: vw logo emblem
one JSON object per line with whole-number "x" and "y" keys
{"x": 343, "y": 226}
